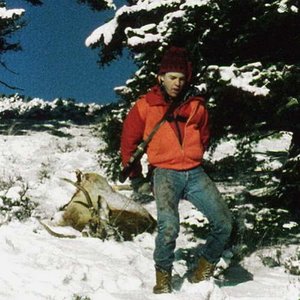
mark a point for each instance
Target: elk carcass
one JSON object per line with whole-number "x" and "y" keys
{"x": 96, "y": 202}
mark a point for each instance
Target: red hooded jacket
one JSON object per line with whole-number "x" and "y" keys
{"x": 179, "y": 144}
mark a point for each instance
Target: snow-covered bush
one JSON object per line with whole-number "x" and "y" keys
{"x": 20, "y": 209}
{"x": 17, "y": 107}
{"x": 258, "y": 225}
{"x": 281, "y": 256}
{"x": 248, "y": 171}
{"x": 44, "y": 172}
{"x": 292, "y": 264}
{"x": 14, "y": 203}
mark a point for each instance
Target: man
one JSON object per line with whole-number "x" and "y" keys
{"x": 175, "y": 152}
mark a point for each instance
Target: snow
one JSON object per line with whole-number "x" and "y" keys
{"x": 290, "y": 225}
{"x": 108, "y": 30}
{"x": 10, "y": 13}
{"x": 16, "y": 103}
{"x": 228, "y": 147}
{"x": 193, "y": 3}
{"x": 266, "y": 281}
{"x": 36, "y": 265}
{"x": 110, "y": 4}
{"x": 294, "y": 9}
{"x": 244, "y": 79}
{"x": 136, "y": 36}
{"x": 58, "y": 269}
{"x": 285, "y": 5}
{"x": 140, "y": 34}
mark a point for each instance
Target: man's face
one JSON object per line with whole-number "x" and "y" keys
{"x": 173, "y": 83}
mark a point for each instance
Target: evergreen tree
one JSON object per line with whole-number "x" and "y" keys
{"x": 10, "y": 22}
{"x": 245, "y": 53}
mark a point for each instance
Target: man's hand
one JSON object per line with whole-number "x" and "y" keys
{"x": 140, "y": 185}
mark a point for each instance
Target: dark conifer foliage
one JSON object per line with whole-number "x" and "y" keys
{"x": 252, "y": 39}
{"x": 35, "y": 2}
{"x": 95, "y": 4}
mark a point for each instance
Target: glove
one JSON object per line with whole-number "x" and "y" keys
{"x": 140, "y": 185}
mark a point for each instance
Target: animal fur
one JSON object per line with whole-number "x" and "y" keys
{"x": 95, "y": 201}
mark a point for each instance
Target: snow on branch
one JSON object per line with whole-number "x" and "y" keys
{"x": 286, "y": 6}
{"x": 108, "y": 30}
{"x": 10, "y": 13}
{"x": 243, "y": 78}
{"x": 138, "y": 36}
{"x": 193, "y": 3}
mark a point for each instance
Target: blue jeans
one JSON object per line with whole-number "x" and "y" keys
{"x": 195, "y": 186}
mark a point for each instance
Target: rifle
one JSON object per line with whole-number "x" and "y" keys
{"x": 140, "y": 150}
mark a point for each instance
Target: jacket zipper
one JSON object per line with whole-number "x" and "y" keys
{"x": 190, "y": 117}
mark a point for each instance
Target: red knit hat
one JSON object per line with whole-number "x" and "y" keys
{"x": 175, "y": 60}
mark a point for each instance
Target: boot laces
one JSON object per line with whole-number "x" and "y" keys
{"x": 165, "y": 279}
{"x": 207, "y": 272}
{"x": 163, "y": 284}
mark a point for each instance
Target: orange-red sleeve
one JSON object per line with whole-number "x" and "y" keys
{"x": 132, "y": 135}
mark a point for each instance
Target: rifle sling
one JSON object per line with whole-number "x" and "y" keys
{"x": 142, "y": 146}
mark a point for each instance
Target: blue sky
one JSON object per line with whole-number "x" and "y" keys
{"x": 55, "y": 61}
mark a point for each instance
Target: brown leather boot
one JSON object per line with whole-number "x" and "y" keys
{"x": 203, "y": 271}
{"x": 163, "y": 282}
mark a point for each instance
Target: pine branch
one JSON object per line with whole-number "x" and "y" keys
{"x": 7, "y": 68}
{"x": 10, "y": 86}
{"x": 35, "y": 2}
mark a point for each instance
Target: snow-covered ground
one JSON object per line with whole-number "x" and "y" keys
{"x": 36, "y": 265}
